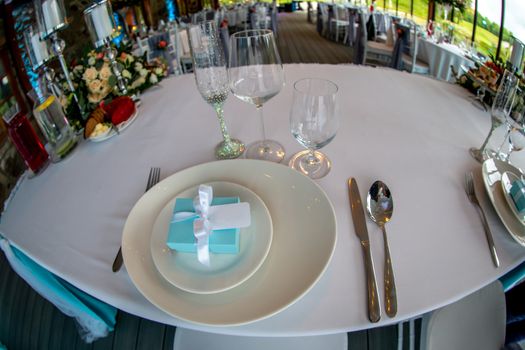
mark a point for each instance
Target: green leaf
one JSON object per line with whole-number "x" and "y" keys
{"x": 99, "y": 64}
{"x": 112, "y": 81}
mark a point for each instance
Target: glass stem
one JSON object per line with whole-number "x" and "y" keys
{"x": 220, "y": 114}
{"x": 507, "y": 134}
{"x": 482, "y": 148}
{"x": 311, "y": 158}
{"x": 259, "y": 109}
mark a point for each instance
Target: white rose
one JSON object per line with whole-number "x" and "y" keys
{"x": 138, "y": 82}
{"x": 138, "y": 66}
{"x": 94, "y": 98}
{"x": 90, "y": 74}
{"x": 91, "y": 61}
{"x": 143, "y": 72}
{"x": 105, "y": 73}
{"x": 153, "y": 79}
{"x": 158, "y": 71}
{"x": 126, "y": 74}
{"x": 95, "y": 86}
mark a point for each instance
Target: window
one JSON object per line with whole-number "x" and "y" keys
{"x": 487, "y": 27}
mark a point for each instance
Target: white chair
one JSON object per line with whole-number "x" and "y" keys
{"x": 379, "y": 52}
{"x": 324, "y": 19}
{"x": 410, "y": 62}
{"x": 186, "y": 339}
{"x": 474, "y": 322}
{"x": 144, "y": 48}
{"x": 242, "y": 18}
{"x": 183, "y": 51}
{"x": 339, "y": 24}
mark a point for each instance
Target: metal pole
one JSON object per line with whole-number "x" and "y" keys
{"x": 502, "y": 24}
{"x": 475, "y": 21}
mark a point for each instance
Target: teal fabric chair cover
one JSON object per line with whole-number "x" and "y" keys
{"x": 94, "y": 317}
{"x": 514, "y": 277}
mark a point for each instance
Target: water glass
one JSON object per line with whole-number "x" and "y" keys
{"x": 314, "y": 123}
{"x": 256, "y": 75}
{"x": 501, "y": 107}
{"x": 211, "y": 77}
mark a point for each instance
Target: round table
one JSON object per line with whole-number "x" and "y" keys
{"x": 441, "y": 56}
{"x": 410, "y": 131}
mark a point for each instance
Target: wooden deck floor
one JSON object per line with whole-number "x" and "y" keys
{"x": 299, "y": 42}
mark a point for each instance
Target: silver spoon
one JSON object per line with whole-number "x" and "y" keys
{"x": 379, "y": 205}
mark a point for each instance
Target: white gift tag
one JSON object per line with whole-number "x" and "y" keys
{"x": 236, "y": 215}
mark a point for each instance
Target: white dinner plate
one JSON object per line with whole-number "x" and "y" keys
{"x": 304, "y": 237}
{"x": 492, "y": 170}
{"x": 507, "y": 178}
{"x": 226, "y": 271}
{"x": 120, "y": 127}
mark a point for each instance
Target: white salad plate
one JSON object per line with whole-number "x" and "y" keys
{"x": 492, "y": 171}
{"x": 304, "y": 238}
{"x": 226, "y": 271}
{"x": 507, "y": 178}
{"x": 120, "y": 127}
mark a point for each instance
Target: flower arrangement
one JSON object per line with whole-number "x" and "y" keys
{"x": 95, "y": 82}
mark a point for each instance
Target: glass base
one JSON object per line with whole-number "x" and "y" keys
{"x": 482, "y": 156}
{"x": 232, "y": 150}
{"x": 316, "y": 169}
{"x": 268, "y": 150}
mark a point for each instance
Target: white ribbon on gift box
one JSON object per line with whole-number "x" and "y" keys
{"x": 209, "y": 218}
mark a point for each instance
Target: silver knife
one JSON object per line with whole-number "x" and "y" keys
{"x": 358, "y": 217}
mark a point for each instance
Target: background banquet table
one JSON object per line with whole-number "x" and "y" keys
{"x": 410, "y": 131}
{"x": 441, "y": 56}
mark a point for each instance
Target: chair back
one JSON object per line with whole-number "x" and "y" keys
{"x": 401, "y": 45}
{"x": 340, "y": 13}
{"x": 360, "y": 40}
{"x": 144, "y": 47}
{"x": 184, "y": 47}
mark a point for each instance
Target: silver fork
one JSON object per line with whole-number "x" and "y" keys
{"x": 153, "y": 179}
{"x": 471, "y": 193}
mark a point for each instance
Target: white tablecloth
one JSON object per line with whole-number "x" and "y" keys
{"x": 410, "y": 131}
{"x": 440, "y": 57}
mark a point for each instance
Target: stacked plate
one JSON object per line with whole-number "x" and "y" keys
{"x": 282, "y": 254}
{"x": 498, "y": 177}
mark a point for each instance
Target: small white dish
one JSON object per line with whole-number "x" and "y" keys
{"x": 492, "y": 171}
{"x": 226, "y": 271}
{"x": 111, "y": 131}
{"x": 507, "y": 178}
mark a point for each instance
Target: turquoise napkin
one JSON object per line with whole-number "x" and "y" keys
{"x": 94, "y": 317}
{"x": 517, "y": 192}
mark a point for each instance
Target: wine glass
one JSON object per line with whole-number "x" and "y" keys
{"x": 501, "y": 107}
{"x": 514, "y": 122}
{"x": 256, "y": 75}
{"x": 211, "y": 77}
{"x": 516, "y": 141}
{"x": 314, "y": 123}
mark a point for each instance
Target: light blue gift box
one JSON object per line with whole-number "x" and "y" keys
{"x": 517, "y": 192}
{"x": 182, "y": 239}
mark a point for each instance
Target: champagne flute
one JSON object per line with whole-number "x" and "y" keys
{"x": 501, "y": 107}
{"x": 514, "y": 121}
{"x": 314, "y": 123}
{"x": 211, "y": 77}
{"x": 256, "y": 75}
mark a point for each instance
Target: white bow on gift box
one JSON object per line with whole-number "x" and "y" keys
{"x": 208, "y": 218}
